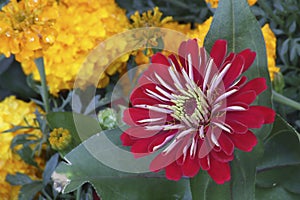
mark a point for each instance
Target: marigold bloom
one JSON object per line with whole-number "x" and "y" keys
{"x": 81, "y": 26}
{"x": 214, "y": 3}
{"x": 26, "y": 28}
{"x": 196, "y": 109}
{"x": 270, "y": 41}
{"x": 13, "y": 112}
{"x": 60, "y": 138}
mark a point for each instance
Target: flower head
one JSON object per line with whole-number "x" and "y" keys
{"x": 195, "y": 109}
{"x": 26, "y": 28}
{"x": 60, "y": 138}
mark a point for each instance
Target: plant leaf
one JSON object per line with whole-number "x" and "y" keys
{"x": 279, "y": 171}
{"x": 85, "y": 164}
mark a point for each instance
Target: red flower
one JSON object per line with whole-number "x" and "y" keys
{"x": 195, "y": 109}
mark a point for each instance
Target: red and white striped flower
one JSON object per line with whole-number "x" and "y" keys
{"x": 193, "y": 109}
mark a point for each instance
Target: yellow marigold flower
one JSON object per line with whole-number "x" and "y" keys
{"x": 200, "y": 31}
{"x": 13, "y": 112}
{"x": 81, "y": 26}
{"x": 26, "y": 28}
{"x": 214, "y": 3}
{"x": 60, "y": 138}
{"x": 270, "y": 41}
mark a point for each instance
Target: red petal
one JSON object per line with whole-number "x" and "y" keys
{"x": 218, "y": 52}
{"x": 258, "y": 85}
{"x": 204, "y": 163}
{"x": 182, "y": 51}
{"x": 234, "y": 71}
{"x": 127, "y": 140}
{"x": 175, "y": 62}
{"x": 140, "y": 132}
{"x": 237, "y": 127}
{"x": 226, "y": 144}
{"x": 249, "y": 57}
{"x": 245, "y": 141}
{"x": 267, "y": 113}
{"x": 191, "y": 166}
{"x": 219, "y": 172}
{"x": 245, "y": 97}
{"x": 139, "y": 96}
{"x": 159, "y": 58}
{"x": 249, "y": 118}
{"x": 132, "y": 116}
{"x": 221, "y": 156}
{"x": 173, "y": 172}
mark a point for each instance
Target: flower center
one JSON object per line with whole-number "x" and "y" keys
{"x": 191, "y": 107}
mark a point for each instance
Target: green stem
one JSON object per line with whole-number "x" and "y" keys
{"x": 39, "y": 62}
{"x": 285, "y": 101}
{"x": 78, "y": 193}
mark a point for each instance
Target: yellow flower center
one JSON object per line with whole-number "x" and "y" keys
{"x": 60, "y": 138}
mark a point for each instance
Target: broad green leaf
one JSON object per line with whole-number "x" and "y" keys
{"x": 88, "y": 163}
{"x": 234, "y": 22}
{"x": 80, "y": 126}
{"x": 204, "y": 188}
{"x": 279, "y": 171}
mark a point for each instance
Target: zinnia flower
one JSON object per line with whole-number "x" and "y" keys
{"x": 194, "y": 109}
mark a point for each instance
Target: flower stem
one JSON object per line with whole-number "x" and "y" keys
{"x": 285, "y": 101}
{"x": 39, "y": 62}
{"x": 78, "y": 193}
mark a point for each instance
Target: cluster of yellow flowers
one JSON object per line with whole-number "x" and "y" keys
{"x": 80, "y": 27}
{"x": 214, "y": 3}
{"x": 26, "y": 28}
{"x": 13, "y": 112}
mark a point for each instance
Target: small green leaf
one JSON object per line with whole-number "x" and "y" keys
{"x": 88, "y": 163}
{"x": 27, "y": 154}
{"x": 49, "y": 169}
{"x": 18, "y": 179}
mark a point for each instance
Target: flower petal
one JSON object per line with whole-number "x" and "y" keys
{"x": 226, "y": 144}
{"x": 244, "y": 142}
{"x": 190, "y": 167}
{"x": 249, "y": 57}
{"x": 267, "y": 113}
{"x": 218, "y": 52}
{"x": 219, "y": 172}
{"x": 221, "y": 156}
{"x": 234, "y": 71}
{"x": 173, "y": 172}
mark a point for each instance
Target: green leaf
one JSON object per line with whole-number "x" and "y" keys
{"x": 27, "y": 154}
{"x": 49, "y": 169}
{"x": 204, "y": 188}
{"x": 279, "y": 171}
{"x": 88, "y": 163}
{"x": 80, "y": 126}
{"x": 28, "y": 191}
{"x": 234, "y": 22}
{"x": 18, "y": 179}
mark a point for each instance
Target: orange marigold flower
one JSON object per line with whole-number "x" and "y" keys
{"x": 214, "y": 3}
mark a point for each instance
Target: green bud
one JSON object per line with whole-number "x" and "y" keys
{"x": 278, "y": 82}
{"x": 108, "y": 118}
